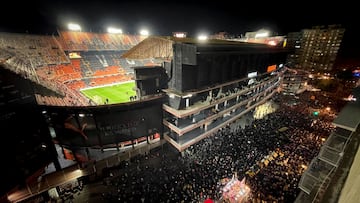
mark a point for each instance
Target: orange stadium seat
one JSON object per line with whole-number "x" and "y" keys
{"x": 99, "y": 61}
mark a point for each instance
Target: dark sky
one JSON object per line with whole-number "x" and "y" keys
{"x": 164, "y": 17}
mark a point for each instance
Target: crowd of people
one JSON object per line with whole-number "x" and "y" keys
{"x": 278, "y": 148}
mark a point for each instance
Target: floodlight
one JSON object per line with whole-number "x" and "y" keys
{"x": 113, "y": 30}
{"x": 262, "y": 34}
{"x": 74, "y": 27}
{"x": 202, "y": 37}
{"x": 144, "y": 32}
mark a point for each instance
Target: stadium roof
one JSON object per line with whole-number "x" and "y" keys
{"x": 162, "y": 47}
{"x": 151, "y": 47}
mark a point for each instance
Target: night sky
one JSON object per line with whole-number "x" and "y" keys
{"x": 165, "y": 17}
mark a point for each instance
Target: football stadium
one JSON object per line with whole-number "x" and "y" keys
{"x": 90, "y": 104}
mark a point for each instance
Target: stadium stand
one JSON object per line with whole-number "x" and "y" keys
{"x": 40, "y": 50}
{"x": 87, "y": 41}
{"x": 70, "y": 61}
{"x": 5, "y": 55}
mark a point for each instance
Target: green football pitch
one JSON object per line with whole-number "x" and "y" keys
{"x": 117, "y": 93}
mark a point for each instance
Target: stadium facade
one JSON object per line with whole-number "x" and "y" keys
{"x": 213, "y": 83}
{"x": 185, "y": 90}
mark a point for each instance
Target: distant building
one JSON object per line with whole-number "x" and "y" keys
{"x": 318, "y": 49}
{"x": 294, "y": 82}
{"x": 220, "y": 35}
{"x": 293, "y": 42}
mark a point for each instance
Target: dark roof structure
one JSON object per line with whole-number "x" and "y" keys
{"x": 349, "y": 117}
{"x": 162, "y": 47}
